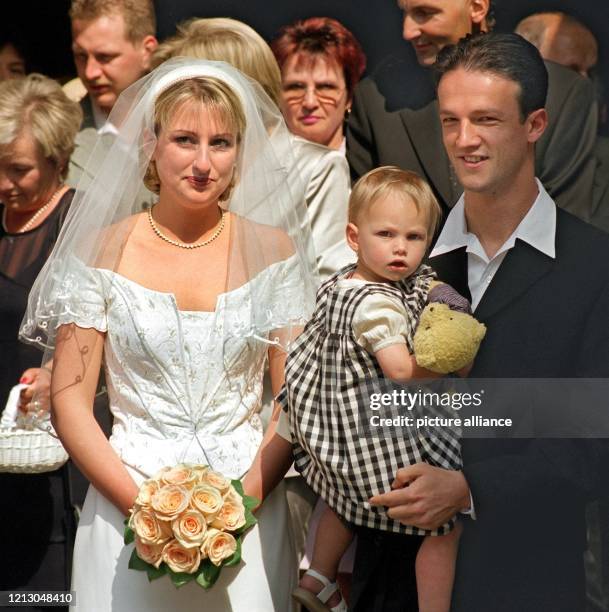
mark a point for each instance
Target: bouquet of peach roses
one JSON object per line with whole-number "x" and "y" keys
{"x": 188, "y": 522}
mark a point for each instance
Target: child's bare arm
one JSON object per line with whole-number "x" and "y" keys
{"x": 398, "y": 364}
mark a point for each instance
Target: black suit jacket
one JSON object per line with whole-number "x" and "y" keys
{"x": 545, "y": 318}
{"x": 394, "y": 121}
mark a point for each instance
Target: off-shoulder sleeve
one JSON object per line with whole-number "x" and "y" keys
{"x": 83, "y": 297}
{"x": 380, "y": 322}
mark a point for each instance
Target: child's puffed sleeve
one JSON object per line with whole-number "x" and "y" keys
{"x": 379, "y": 322}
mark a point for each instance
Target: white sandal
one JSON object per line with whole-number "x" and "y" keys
{"x": 317, "y": 602}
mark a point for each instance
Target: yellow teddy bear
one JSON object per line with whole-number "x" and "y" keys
{"x": 446, "y": 340}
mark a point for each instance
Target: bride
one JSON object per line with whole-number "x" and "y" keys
{"x": 181, "y": 304}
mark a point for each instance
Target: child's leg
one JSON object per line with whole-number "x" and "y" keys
{"x": 435, "y": 568}
{"x": 331, "y": 541}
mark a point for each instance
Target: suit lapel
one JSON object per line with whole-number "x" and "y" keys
{"x": 424, "y": 130}
{"x": 451, "y": 268}
{"x": 522, "y": 267}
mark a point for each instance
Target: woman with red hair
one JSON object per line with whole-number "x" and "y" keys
{"x": 321, "y": 62}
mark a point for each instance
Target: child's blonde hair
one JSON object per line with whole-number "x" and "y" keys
{"x": 386, "y": 180}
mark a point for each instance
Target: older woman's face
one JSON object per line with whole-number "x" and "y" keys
{"x": 12, "y": 65}
{"x": 195, "y": 157}
{"x": 314, "y": 98}
{"x": 27, "y": 178}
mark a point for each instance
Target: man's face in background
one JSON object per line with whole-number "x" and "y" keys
{"x": 107, "y": 62}
{"x": 429, "y": 25}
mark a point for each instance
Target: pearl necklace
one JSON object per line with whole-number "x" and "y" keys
{"x": 30, "y": 224}
{"x": 183, "y": 245}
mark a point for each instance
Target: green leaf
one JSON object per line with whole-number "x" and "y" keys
{"x": 135, "y": 563}
{"x": 180, "y": 578}
{"x": 250, "y": 502}
{"x": 238, "y": 486}
{"x": 155, "y": 573}
{"x": 129, "y": 535}
{"x": 236, "y": 558}
{"x": 208, "y": 574}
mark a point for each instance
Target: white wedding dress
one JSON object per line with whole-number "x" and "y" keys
{"x": 178, "y": 395}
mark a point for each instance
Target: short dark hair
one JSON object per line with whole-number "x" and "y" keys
{"x": 506, "y": 55}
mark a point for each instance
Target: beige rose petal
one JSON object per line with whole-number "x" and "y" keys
{"x": 147, "y": 489}
{"x": 216, "y": 480}
{"x": 189, "y": 528}
{"x": 181, "y": 559}
{"x": 150, "y": 553}
{"x": 148, "y": 528}
{"x": 170, "y": 501}
{"x": 181, "y": 474}
{"x": 207, "y": 500}
{"x": 218, "y": 546}
{"x": 230, "y": 518}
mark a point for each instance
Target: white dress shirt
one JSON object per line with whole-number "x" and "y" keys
{"x": 102, "y": 125}
{"x": 538, "y": 228}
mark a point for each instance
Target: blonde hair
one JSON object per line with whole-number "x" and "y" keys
{"x": 215, "y": 95}
{"x": 228, "y": 40}
{"x": 380, "y": 182}
{"x": 38, "y": 105}
{"x": 138, "y": 15}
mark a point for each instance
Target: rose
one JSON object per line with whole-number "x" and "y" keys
{"x": 189, "y": 528}
{"x": 200, "y": 471}
{"x": 169, "y": 501}
{"x": 180, "y": 559}
{"x": 147, "y": 490}
{"x": 148, "y": 528}
{"x": 233, "y": 496}
{"x": 206, "y": 500}
{"x": 218, "y": 546}
{"x": 151, "y": 553}
{"x": 216, "y": 480}
{"x": 178, "y": 475}
{"x": 231, "y": 516}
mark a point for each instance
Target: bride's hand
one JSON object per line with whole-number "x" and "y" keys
{"x": 252, "y": 487}
{"x": 36, "y": 397}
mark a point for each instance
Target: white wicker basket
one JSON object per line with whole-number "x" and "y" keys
{"x": 30, "y": 452}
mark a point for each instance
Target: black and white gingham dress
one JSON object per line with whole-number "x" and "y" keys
{"x": 329, "y": 379}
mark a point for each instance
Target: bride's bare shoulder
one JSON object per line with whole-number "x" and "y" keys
{"x": 272, "y": 241}
{"x": 111, "y": 240}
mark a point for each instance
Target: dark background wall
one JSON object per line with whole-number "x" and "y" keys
{"x": 376, "y": 23}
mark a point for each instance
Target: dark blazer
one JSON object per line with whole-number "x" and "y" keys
{"x": 524, "y": 552}
{"x": 394, "y": 121}
{"x": 545, "y": 318}
{"x": 600, "y": 197}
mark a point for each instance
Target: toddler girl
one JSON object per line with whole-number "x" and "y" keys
{"x": 361, "y": 332}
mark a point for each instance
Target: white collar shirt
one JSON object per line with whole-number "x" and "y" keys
{"x": 538, "y": 229}
{"x": 102, "y": 125}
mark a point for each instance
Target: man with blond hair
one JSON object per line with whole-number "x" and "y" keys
{"x": 112, "y": 43}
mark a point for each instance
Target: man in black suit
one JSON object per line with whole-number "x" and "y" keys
{"x": 394, "y": 118}
{"x": 538, "y": 278}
